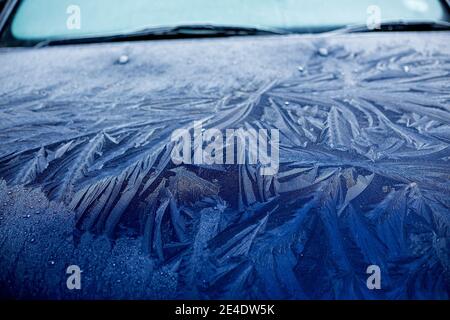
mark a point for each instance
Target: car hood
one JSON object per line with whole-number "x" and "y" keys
{"x": 364, "y": 124}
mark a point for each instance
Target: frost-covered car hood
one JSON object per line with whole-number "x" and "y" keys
{"x": 364, "y": 168}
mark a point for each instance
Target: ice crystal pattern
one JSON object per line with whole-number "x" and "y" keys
{"x": 364, "y": 159}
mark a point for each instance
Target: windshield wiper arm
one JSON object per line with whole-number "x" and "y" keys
{"x": 398, "y": 26}
{"x": 175, "y": 32}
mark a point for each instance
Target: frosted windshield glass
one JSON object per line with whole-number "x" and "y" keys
{"x": 43, "y": 19}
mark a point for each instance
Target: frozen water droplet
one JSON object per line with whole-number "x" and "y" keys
{"x": 323, "y": 52}
{"x": 301, "y": 68}
{"x": 380, "y": 66}
{"x": 51, "y": 262}
{"x": 27, "y": 216}
{"x": 286, "y": 103}
{"x": 406, "y": 68}
{"x": 32, "y": 240}
{"x": 123, "y": 59}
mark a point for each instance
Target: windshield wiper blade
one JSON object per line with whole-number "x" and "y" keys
{"x": 208, "y": 29}
{"x": 397, "y": 26}
{"x": 175, "y": 32}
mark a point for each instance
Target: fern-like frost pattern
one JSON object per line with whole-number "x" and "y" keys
{"x": 364, "y": 168}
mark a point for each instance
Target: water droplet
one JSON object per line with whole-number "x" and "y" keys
{"x": 32, "y": 240}
{"x": 323, "y": 52}
{"x": 52, "y": 262}
{"x": 27, "y": 216}
{"x": 301, "y": 68}
{"x": 123, "y": 59}
{"x": 406, "y": 68}
{"x": 286, "y": 103}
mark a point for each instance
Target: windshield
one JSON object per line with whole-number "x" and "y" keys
{"x": 37, "y": 20}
